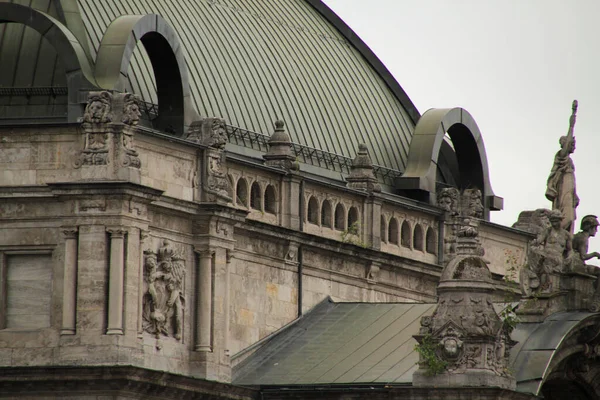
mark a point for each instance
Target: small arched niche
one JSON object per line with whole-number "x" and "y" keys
{"x": 418, "y": 238}
{"x": 431, "y": 241}
{"x": 353, "y": 218}
{"x": 241, "y": 193}
{"x": 405, "y": 234}
{"x": 326, "y": 214}
{"x": 313, "y": 210}
{"x": 393, "y": 231}
{"x": 255, "y": 197}
{"x": 270, "y": 200}
{"x": 340, "y": 217}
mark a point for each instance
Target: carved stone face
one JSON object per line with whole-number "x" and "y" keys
{"x": 97, "y": 109}
{"x": 451, "y": 348}
{"x": 555, "y": 222}
{"x": 593, "y": 230}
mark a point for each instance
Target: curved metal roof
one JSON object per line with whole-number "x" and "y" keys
{"x": 255, "y": 61}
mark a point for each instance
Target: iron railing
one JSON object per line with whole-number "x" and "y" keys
{"x": 306, "y": 154}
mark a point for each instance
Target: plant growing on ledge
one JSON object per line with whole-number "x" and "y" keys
{"x": 427, "y": 349}
{"x": 350, "y": 235}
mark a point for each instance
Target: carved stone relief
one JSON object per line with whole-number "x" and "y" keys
{"x": 107, "y": 123}
{"x": 163, "y": 301}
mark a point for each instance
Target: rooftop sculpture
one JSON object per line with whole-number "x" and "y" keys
{"x": 556, "y": 266}
{"x": 561, "y": 190}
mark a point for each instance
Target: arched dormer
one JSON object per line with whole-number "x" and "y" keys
{"x": 160, "y": 41}
{"x": 71, "y": 54}
{"x": 421, "y": 174}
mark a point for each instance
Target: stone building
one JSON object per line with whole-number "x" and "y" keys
{"x": 221, "y": 199}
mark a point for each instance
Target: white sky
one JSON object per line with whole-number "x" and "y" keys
{"x": 515, "y": 65}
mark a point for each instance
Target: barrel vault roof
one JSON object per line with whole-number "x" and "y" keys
{"x": 255, "y": 61}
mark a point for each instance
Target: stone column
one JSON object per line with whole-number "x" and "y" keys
{"x": 69, "y": 282}
{"x": 227, "y": 299}
{"x": 143, "y": 236}
{"x": 204, "y": 302}
{"x": 115, "y": 283}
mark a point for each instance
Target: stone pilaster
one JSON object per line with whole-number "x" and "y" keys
{"x": 143, "y": 237}
{"x": 204, "y": 302}
{"x": 69, "y": 311}
{"x": 91, "y": 284}
{"x": 214, "y": 242}
{"x": 116, "y": 281}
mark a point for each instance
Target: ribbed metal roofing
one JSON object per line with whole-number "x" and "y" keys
{"x": 340, "y": 343}
{"x": 255, "y": 61}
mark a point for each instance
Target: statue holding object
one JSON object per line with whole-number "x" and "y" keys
{"x": 561, "y": 189}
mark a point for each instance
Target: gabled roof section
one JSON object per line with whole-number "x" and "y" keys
{"x": 256, "y": 61}
{"x": 350, "y": 343}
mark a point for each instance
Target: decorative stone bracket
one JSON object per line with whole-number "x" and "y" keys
{"x": 108, "y": 125}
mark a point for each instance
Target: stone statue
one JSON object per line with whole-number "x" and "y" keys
{"x": 589, "y": 227}
{"x": 561, "y": 189}
{"x": 553, "y": 248}
{"x": 163, "y": 298}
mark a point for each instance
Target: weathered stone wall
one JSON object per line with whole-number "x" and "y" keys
{"x": 505, "y": 249}
{"x": 242, "y": 263}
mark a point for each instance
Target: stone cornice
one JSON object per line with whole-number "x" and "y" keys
{"x": 116, "y": 380}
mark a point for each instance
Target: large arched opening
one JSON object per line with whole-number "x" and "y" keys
{"x": 175, "y": 109}
{"x": 45, "y": 84}
{"x": 467, "y": 169}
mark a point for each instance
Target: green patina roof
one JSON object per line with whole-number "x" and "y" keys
{"x": 252, "y": 62}
{"x": 356, "y": 343}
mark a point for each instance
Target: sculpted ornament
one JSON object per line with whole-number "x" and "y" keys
{"x": 107, "y": 123}
{"x": 131, "y": 110}
{"x": 97, "y": 110}
{"x": 163, "y": 301}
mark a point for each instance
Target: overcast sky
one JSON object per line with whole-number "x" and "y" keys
{"x": 515, "y": 65}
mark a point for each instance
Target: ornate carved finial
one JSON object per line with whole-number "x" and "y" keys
{"x": 561, "y": 188}
{"x": 465, "y": 332}
{"x": 280, "y": 152}
{"x": 361, "y": 172}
